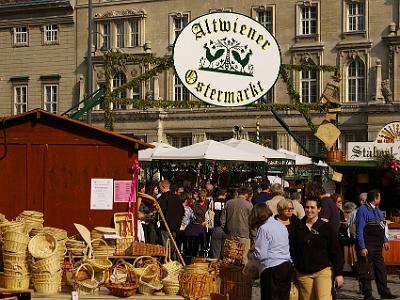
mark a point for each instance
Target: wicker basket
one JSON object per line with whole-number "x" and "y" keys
{"x": 42, "y": 245}
{"x": 334, "y": 156}
{"x": 232, "y": 251}
{"x": 16, "y": 281}
{"x": 148, "y": 288}
{"x": 194, "y": 285}
{"x": 139, "y": 249}
{"x": 235, "y": 283}
{"x": 50, "y": 264}
{"x": 129, "y": 286}
{"x": 100, "y": 263}
{"x": 124, "y": 246}
{"x": 15, "y": 241}
{"x": 82, "y": 284}
{"x": 149, "y": 268}
{"x": 171, "y": 288}
{"x": 49, "y": 287}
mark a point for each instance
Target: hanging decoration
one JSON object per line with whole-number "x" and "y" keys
{"x": 159, "y": 64}
{"x": 132, "y": 199}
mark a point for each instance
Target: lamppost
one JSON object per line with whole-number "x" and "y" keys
{"x": 237, "y": 130}
{"x": 89, "y": 75}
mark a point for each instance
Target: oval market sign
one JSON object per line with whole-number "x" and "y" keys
{"x": 227, "y": 59}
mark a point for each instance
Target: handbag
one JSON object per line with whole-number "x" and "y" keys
{"x": 209, "y": 216}
{"x": 364, "y": 269}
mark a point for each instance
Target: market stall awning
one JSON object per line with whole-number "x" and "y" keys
{"x": 209, "y": 150}
{"x": 245, "y": 145}
{"x": 159, "y": 148}
{"x": 301, "y": 160}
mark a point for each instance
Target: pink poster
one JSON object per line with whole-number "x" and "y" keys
{"x": 122, "y": 190}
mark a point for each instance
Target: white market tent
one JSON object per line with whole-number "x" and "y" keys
{"x": 301, "y": 160}
{"x": 209, "y": 150}
{"x": 245, "y": 145}
{"x": 275, "y": 179}
{"x": 149, "y": 153}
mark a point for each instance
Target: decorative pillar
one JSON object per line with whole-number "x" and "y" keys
{"x": 378, "y": 81}
{"x": 156, "y": 88}
{"x": 81, "y": 90}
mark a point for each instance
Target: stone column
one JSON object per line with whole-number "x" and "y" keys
{"x": 378, "y": 82}
{"x": 156, "y": 91}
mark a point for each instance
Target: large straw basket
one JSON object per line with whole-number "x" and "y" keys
{"x": 194, "y": 285}
{"x": 42, "y": 245}
{"x": 15, "y": 226}
{"x": 232, "y": 251}
{"x": 139, "y": 248}
{"x": 235, "y": 283}
{"x": 17, "y": 281}
{"x": 15, "y": 241}
{"x": 82, "y": 284}
{"x": 47, "y": 277}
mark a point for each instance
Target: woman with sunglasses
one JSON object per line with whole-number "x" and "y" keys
{"x": 316, "y": 255}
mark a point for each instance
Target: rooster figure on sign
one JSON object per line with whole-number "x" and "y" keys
{"x": 213, "y": 57}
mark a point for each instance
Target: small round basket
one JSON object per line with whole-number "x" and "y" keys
{"x": 171, "y": 288}
{"x": 42, "y": 245}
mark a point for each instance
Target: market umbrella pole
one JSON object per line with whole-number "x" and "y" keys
{"x": 165, "y": 223}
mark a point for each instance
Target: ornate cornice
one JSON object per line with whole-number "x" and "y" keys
{"x": 120, "y": 13}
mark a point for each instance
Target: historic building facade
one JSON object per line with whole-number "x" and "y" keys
{"x": 38, "y": 61}
{"x": 361, "y": 37}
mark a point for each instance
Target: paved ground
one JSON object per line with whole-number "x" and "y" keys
{"x": 350, "y": 290}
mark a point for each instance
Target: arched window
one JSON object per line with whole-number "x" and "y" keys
{"x": 309, "y": 85}
{"x": 356, "y": 81}
{"x": 118, "y": 80}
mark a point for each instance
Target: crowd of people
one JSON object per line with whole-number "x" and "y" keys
{"x": 302, "y": 236}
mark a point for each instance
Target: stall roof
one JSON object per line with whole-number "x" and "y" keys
{"x": 357, "y": 164}
{"x": 55, "y": 120}
{"x": 149, "y": 154}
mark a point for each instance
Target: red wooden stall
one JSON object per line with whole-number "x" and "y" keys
{"x": 47, "y": 162}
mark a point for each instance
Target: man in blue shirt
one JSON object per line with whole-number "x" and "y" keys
{"x": 370, "y": 236}
{"x": 265, "y": 193}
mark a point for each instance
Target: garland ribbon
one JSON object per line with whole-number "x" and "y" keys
{"x": 132, "y": 198}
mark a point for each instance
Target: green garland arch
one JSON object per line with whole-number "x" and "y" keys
{"x": 161, "y": 64}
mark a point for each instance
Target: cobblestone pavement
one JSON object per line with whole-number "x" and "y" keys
{"x": 350, "y": 290}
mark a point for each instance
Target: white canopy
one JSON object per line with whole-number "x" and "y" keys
{"x": 149, "y": 153}
{"x": 302, "y": 160}
{"x": 276, "y": 179}
{"x": 254, "y": 148}
{"x": 210, "y": 150}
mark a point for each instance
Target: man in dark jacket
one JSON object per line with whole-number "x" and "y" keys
{"x": 172, "y": 209}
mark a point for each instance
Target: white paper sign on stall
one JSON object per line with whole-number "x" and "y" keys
{"x": 101, "y": 194}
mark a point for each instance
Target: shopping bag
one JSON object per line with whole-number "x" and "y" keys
{"x": 364, "y": 269}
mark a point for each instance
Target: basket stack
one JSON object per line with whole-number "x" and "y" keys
{"x": 197, "y": 281}
{"x": 61, "y": 237}
{"x": 173, "y": 269}
{"x": 15, "y": 258}
{"x": 46, "y": 268}
{"x": 32, "y": 219}
{"x": 75, "y": 247}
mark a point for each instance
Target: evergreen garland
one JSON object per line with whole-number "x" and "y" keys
{"x": 161, "y": 64}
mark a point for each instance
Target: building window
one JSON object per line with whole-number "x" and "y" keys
{"x": 136, "y": 91}
{"x": 180, "y": 91}
{"x": 267, "y": 98}
{"x": 50, "y": 34}
{"x": 356, "y": 81}
{"x": 311, "y": 144}
{"x": 118, "y": 80}
{"x": 120, "y": 35}
{"x": 20, "y": 99}
{"x": 265, "y": 17}
{"x": 309, "y": 86}
{"x": 134, "y": 25}
{"x": 356, "y": 16}
{"x": 105, "y": 30}
{"x": 177, "y": 21}
{"x": 308, "y": 19}
{"x": 51, "y": 97}
{"x": 180, "y": 141}
{"x": 179, "y": 24}
{"x": 20, "y": 36}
